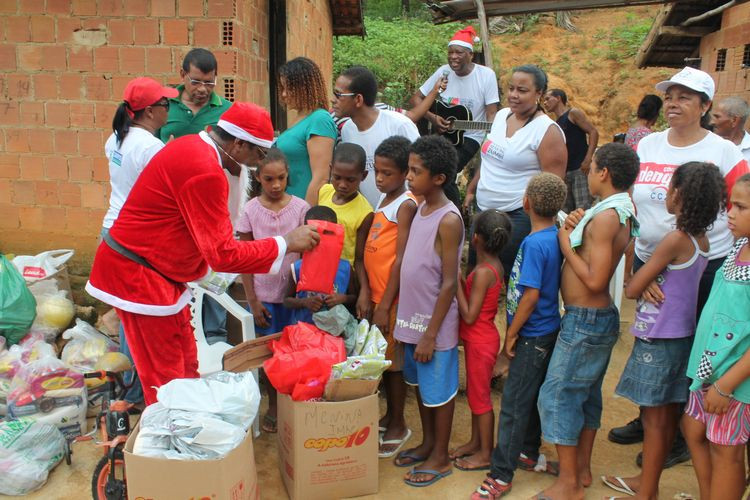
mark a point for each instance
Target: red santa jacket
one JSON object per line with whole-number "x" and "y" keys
{"x": 176, "y": 218}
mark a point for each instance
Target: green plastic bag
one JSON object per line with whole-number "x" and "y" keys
{"x": 17, "y": 305}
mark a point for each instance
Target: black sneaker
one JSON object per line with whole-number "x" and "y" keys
{"x": 630, "y": 433}
{"x": 677, "y": 455}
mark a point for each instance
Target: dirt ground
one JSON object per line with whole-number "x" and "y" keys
{"x": 74, "y": 482}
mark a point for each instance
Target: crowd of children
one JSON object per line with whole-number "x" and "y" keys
{"x": 401, "y": 268}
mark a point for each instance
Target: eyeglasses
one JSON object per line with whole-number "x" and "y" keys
{"x": 230, "y": 156}
{"x": 198, "y": 83}
{"x": 163, "y": 104}
{"x": 339, "y": 95}
{"x": 263, "y": 152}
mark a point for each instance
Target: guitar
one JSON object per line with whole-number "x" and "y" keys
{"x": 460, "y": 119}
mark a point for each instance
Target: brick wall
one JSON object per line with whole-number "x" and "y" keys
{"x": 733, "y": 36}
{"x": 65, "y": 64}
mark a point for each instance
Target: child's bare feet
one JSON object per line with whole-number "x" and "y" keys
{"x": 477, "y": 461}
{"x": 428, "y": 472}
{"x": 562, "y": 490}
{"x": 412, "y": 456}
{"x": 584, "y": 475}
{"x": 464, "y": 450}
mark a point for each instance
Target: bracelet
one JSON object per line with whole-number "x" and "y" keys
{"x": 723, "y": 394}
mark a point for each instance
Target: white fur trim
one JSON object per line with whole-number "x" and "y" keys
{"x": 461, "y": 43}
{"x": 241, "y": 133}
{"x": 137, "y": 308}
{"x": 276, "y": 266}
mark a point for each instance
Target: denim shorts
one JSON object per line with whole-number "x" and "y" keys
{"x": 655, "y": 372}
{"x": 437, "y": 379}
{"x": 571, "y": 396}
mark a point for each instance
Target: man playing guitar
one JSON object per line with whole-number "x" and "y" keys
{"x": 469, "y": 84}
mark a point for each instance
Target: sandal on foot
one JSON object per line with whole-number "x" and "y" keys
{"x": 618, "y": 484}
{"x": 539, "y": 465}
{"x": 408, "y": 455}
{"x": 458, "y": 461}
{"x": 398, "y": 442}
{"x": 269, "y": 424}
{"x": 490, "y": 489}
{"x": 436, "y": 476}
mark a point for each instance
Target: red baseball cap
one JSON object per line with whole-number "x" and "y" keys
{"x": 143, "y": 92}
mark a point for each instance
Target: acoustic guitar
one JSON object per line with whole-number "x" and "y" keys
{"x": 460, "y": 119}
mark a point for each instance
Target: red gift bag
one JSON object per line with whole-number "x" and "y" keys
{"x": 319, "y": 265}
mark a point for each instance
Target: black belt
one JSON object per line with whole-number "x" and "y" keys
{"x": 130, "y": 255}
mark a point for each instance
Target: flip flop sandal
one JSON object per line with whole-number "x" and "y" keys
{"x": 491, "y": 489}
{"x": 527, "y": 464}
{"x": 415, "y": 459}
{"x": 618, "y": 485}
{"x": 400, "y": 442}
{"x": 436, "y": 476}
{"x": 469, "y": 469}
{"x": 269, "y": 424}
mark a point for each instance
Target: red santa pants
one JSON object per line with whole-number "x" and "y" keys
{"x": 163, "y": 348}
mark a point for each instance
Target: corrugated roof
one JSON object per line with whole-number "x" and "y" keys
{"x": 347, "y": 17}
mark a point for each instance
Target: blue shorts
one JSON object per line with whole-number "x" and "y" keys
{"x": 437, "y": 379}
{"x": 655, "y": 372}
{"x": 571, "y": 396}
{"x": 280, "y": 318}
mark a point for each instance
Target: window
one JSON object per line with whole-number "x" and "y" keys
{"x": 746, "y": 56}
{"x": 229, "y": 89}
{"x": 227, "y": 33}
{"x": 721, "y": 59}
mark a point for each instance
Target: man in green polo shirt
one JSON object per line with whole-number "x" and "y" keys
{"x": 197, "y": 105}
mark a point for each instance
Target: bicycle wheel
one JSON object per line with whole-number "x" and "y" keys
{"x": 105, "y": 488}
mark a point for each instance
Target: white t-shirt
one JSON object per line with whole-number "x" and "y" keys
{"x": 475, "y": 91}
{"x": 508, "y": 163}
{"x": 745, "y": 146}
{"x": 659, "y": 160}
{"x": 388, "y": 124}
{"x": 125, "y": 165}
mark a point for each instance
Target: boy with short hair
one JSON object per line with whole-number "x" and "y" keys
{"x": 427, "y": 318}
{"x": 384, "y": 252}
{"x": 592, "y": 243}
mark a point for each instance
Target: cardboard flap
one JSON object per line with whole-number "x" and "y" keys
{"x": 249, "y": 355}
{"x": 349, "y": 389}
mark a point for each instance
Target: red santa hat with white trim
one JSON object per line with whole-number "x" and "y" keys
{"x": 249, "y": 122}
{"x": 465, "y": 37}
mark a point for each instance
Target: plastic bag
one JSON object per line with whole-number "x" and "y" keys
{"x": 54, "y": 310}
{"x": 86, "y": 346}
{"x": 338, "y": 321}
{"x": 43, "y": 265}
{"x": 17, "y": 304}
{"x": 361, "y": 367}
{"x": 10, "y": 363}
{"x": 369, "y": 340}
{"x": 319, "y": 265}
{"x": 302, "y": 360}
{"x": 217, "y": 282}
{"x": 28, "y": 451}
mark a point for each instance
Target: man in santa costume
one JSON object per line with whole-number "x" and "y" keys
{"x": 173, "y": 226}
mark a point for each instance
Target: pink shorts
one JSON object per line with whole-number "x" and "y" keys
{"x": 730, "y": 429}
{"x": 480, "y": 361}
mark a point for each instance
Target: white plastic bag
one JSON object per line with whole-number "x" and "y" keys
{"x": 43, "y": 265}
{"x": 203, "y": 436}
{"x": 217, "y": 282}
{"x": 369, "y": 340}
{"x": 28, "y": 451}
{"x": 86, "y": 346}
{"x": 54, "y": 310}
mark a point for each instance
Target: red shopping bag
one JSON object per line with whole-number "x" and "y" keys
{"x": 319, "y": 265}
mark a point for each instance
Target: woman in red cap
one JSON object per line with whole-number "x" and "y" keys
{"x": 129, "y": 149}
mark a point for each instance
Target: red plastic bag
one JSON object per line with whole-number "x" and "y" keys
{"x": 302, "y": 360}
{"x": 319, "y": 265}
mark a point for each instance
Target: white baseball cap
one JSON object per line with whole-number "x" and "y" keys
{"x": 692, "y": 78}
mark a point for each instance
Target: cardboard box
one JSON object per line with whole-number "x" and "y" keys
{"x": 328, "y": 449}
{"x": 233, "y": 477}
{"x": 249, "y": 355}
{"x": 348, "y": 389}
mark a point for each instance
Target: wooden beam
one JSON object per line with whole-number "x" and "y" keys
{"x": 645, "y": 50}
{"x": 695, "y": 32}
{"x": 485, "y": 32}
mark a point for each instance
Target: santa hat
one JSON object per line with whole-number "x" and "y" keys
{"x": 465, "y": 38}
{"x": 249, "y": 122}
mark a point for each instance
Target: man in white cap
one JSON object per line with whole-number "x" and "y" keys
{"x": 173, "y": 226}
{"x": 728, "y": 119}
{"x": 471, "y": 85}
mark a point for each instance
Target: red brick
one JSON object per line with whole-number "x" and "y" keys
{"x": 23, "y": 192}
{"x": 46, "y": 193}
{"x": 66, "y": 26}
{"x": 32, "y": 113}
{"x": 104, "y": 113}
{"x": 80, "y": 169}
{"x": 221, "y": 8}
{"x": 118, "y": 85}
{"x": 57, "y": 114}
{"x": 17, "y": 29}
{"x": 94, "y": 195}
{"x": 80, "y": 58}
{"x": 53, "y": 57}
{"x": 98, "y": 88}
{"x": 191, "y": 8}
{"x": 101, "y": 169}
{"x": 32, "y": 168}
{"x": 105, "y": 59}
{"x": 136, "y": 8}
{"x": 56, "y": 168}
{"x": 81, "y": 115}
{"x": 5, "y": 195}
{"x": 90, "y": 142}
{"x": 147, "y": 32}
{"x": 19, "y": 86}
{"x": 9, "y": 220}
{"x": 58, "y": 6}
{"x": 66, "y": 141}
{"x": 9, "y": 165}
{"x": 32, "y": 6}
{"x": 84, "y": 7}
{"x": 8, "y": 57}
{"x": 70, "y": 194}
{"x": 40, "y": 141}
{"x": 16, "y": 141}
{"x": 163, "y": 8}
{"x": 42, "y": 29}
{"x": 78, "y": 220}
{"x": 174, "y": 32}
{"x": 8, "y": 6}
{"x": 206, "y": 33}
{"x": 226, "y": 61}
{"x": 30, "y": 57}
{"x": 45, "y": 86}
{"x": 54, "y": 218}
{"x": 109, "y": 7}
{"x": 31, "y": 218}
{"x": 120, "y": 32}
{"x": 9, "y": 113}
{"x": 94, "y": 24}
{"x": 159, "y": 60}
{"x": 132, "y": 61}
{"x": 71, "y": 86}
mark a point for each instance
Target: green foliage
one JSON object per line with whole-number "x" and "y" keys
{"x": 626, "y": 39}
{"x": 402, "y": 53}
{"x": 393, "y": 9}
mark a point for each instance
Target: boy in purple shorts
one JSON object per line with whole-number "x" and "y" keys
{"x": 592, "y": 243}
{"x": 427, "y": 318}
